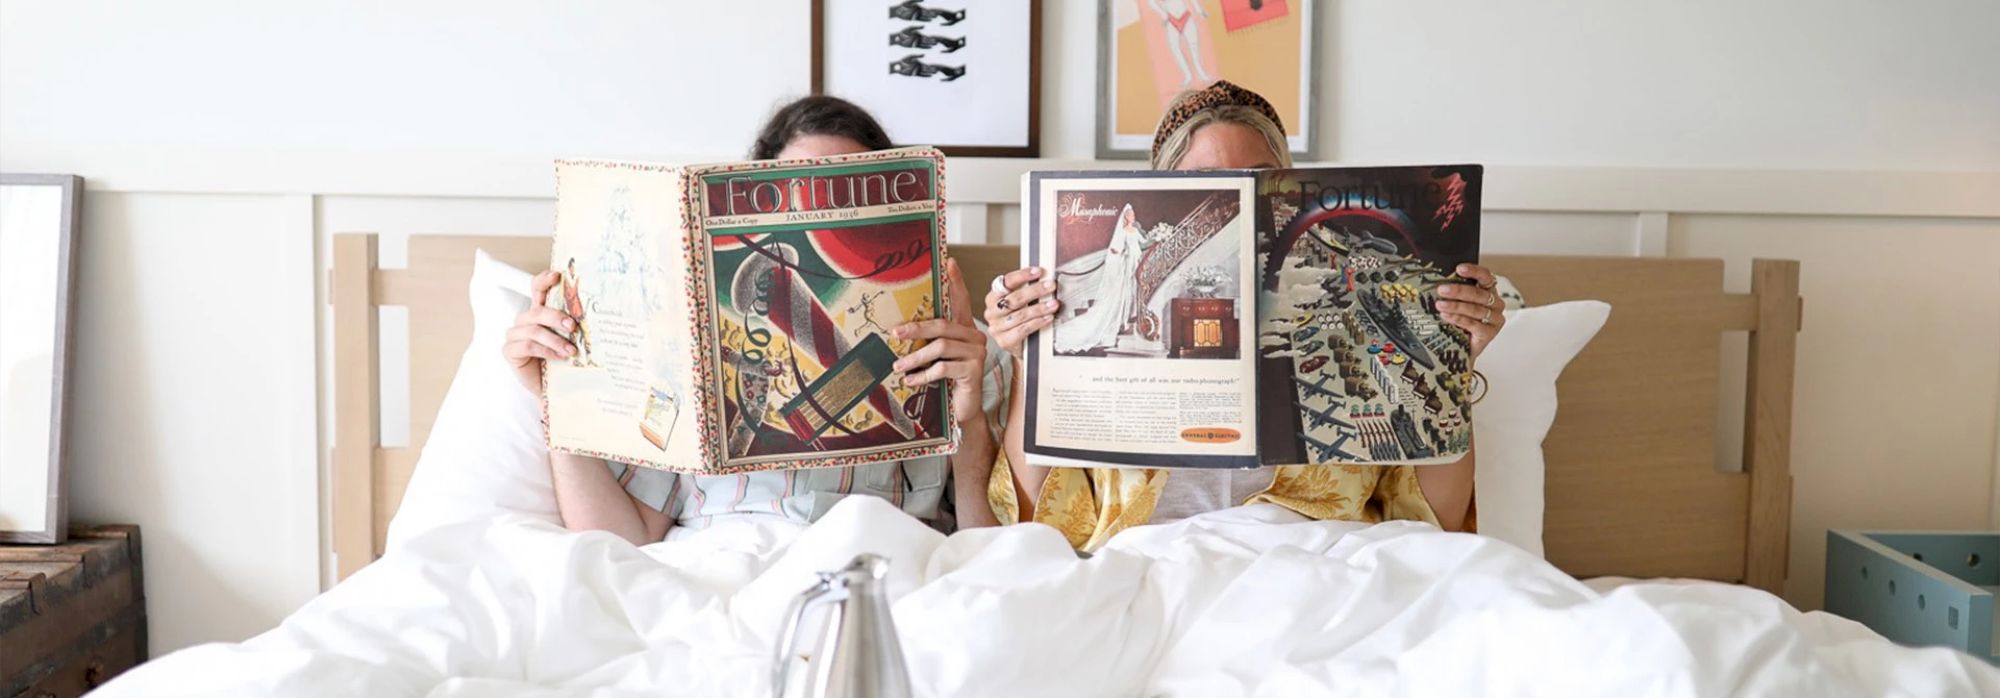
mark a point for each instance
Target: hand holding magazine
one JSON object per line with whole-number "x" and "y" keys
{"x": 1237, "y": 319}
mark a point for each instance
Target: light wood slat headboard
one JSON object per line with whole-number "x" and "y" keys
{"x": 368, "y": 479}
{"x": 1632, "y": 484}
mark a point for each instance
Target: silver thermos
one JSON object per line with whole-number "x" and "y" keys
{"x": 858, "y": 655}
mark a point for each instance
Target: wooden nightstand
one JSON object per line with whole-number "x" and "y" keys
{"x": 73, "y": 615}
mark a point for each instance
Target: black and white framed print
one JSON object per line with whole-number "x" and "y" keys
{"x": 961, "y": 75}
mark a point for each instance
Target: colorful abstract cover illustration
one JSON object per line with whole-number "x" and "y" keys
{"x": 1257, "y": 318}
{"x": 738, "y": 318}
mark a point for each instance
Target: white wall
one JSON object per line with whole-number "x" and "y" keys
{"x": 192, "y": 412}
{"x": 1839, "y": 84}
{"x": 225, "y": 143}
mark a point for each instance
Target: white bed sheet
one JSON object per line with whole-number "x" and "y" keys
{"x": 1250, "y": 601}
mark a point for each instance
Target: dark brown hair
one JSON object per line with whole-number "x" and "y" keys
{"x": 818, "y": 115}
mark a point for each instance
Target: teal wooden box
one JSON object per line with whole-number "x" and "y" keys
{"x": 1917, "y": 588}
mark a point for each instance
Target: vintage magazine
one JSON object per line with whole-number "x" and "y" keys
{"x": 735, "y": 317}
{"x": 1235, "y": 319}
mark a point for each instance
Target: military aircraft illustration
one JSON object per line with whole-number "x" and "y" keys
{"x": 1317, "y": 387}
{"x": 1325, "y": 418}
{"x": 1329, "y": 451}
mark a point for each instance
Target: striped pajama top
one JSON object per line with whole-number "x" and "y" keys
{"x": 919, "y": 486}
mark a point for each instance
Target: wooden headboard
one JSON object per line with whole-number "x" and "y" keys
{"x": 1632, "y": 484}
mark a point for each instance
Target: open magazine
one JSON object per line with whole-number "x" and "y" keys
{"x": 735, "y": 317}
{"x": 1236, "y": 319}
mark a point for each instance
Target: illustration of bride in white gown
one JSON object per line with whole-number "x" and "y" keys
{"x": 1110, "y": 289}
{"x": 1184, "y": 37}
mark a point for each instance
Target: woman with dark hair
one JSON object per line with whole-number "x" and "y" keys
{"x": 642, "y": 504}
{"x": 816, "y": 126}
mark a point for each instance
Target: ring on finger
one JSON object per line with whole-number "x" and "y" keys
{"x": 1487, "y": 318}
{"x": 1000, "y": 284}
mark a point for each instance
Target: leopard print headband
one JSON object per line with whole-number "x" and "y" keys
{"x": 1219, "y": 93}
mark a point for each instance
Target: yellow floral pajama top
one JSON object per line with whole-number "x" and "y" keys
{"x": 1090, "y": 505}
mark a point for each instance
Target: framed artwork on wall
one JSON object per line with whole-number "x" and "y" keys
{"x": 959, "y": 75}
{"x": 39, "y": 217}
{"x": 1151, "y": 50}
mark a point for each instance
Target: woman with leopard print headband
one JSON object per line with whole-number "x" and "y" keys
{"x": 1221, "y": 126}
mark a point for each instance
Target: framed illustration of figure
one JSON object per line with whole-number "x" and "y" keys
{"x": 1149, "y": 51}
{"x": 961, "y": 76}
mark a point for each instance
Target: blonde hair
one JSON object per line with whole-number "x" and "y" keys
{"x": 1175, "y": 144}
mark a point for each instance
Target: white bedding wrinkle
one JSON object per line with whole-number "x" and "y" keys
{"x": 1244, "y": 602}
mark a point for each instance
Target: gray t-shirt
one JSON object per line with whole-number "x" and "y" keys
{"x": 1190, "y": 492}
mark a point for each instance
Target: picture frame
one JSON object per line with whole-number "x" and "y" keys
{"x": 922, "y": 70}
{"x": 1267, "y": 46}
{"x": 40, "y": 216}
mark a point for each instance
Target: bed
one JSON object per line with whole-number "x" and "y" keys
{"x": 1633, "y": 488}
{"x": 1244, "y": 602}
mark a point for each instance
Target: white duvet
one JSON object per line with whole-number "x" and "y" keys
{"x": 1249, "y": 601}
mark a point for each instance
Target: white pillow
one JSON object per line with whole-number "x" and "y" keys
{"x": 487, "y": 453}
{"x": 1508, "y": 425}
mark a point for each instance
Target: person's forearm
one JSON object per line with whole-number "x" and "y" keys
{"x": 1448, "y": 489}
{"x": 971, "y": 470}
{"x": 589, "y": 499}
{"x": 1027, "y": 478}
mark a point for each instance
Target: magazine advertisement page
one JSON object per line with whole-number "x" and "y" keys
{"x": 1149, "y": 361}
{"x": 1355, "y": 363}
{"x": 620, "y": 249}
{"x": 810, "y": 267}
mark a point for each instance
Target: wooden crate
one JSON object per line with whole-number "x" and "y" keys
{"x": 1918, "y": 589}
{"x": 73, "y": 615}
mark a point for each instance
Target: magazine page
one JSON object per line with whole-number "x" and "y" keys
{"x": 1148, "y": 362}
{"x": 810, "y": 265}
{"x": 1354, "y": 364}
{"x": 619, "y": 247}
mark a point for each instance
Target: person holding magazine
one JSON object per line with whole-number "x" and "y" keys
{"x": 643, "y": 504}
{"x": 1220, "y": 127}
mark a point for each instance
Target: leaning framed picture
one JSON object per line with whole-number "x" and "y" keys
{"x": 39, "y": 215}
{"x": 959, "y": 75}
{"x": 1149, "y": 51}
